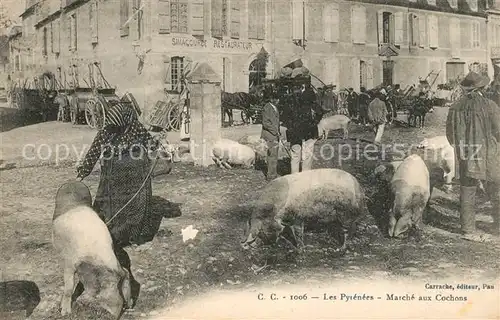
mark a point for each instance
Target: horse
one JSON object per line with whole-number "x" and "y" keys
{"x": 240, "y": 101}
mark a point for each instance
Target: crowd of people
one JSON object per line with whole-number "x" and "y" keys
{"x": 295, "y": 105}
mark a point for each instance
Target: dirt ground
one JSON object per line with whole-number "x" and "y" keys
{"x": 171, "y": 270}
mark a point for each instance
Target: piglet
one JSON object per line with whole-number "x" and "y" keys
{"x": 226, "y": 152}
{"x": 335, "y": 122}
{"x": 85, "y": 247}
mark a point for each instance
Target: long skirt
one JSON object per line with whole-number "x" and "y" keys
{"x": 121, "y": 178}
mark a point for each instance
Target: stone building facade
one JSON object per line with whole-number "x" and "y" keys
{"x": 144, "y": 45}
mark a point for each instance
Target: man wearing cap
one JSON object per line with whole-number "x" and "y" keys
{"x": 377, "y": 114}
{"x": 473, "y": 128}
{"x": 351, "y": 103}
{"x": 271, "y": 131}
{"x": 363, "y": 102}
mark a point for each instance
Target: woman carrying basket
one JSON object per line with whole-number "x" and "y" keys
{"x": 123, "y": 198}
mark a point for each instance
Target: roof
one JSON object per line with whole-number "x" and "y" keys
{"x": 463, "y": 6}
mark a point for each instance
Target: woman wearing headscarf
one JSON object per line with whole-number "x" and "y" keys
{"x": 123, "y": 143}
{"x": 473, "y": 128}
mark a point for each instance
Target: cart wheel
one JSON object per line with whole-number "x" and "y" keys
{"x": 94, "y": 114}
{"x": 174, "y": 117}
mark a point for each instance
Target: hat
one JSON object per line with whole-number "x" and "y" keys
{"x": 475, "y": 80}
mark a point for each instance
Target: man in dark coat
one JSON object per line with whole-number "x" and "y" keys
{"x": 363, "y": 102}
{"x": 377, "y": 114}
{"x": 473, "y": 128}
{"x": 351, "y": 103}
{"x": 271, "y": 132}
{"x": 302, "y": 121}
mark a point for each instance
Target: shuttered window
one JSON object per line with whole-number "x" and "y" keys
{"x": 73, "y": 36}
{"x": 225, "y": 18}
{"x": 413, "y": 33}
{"x": 476, "y": 36}
{"x": 256, "y": 19}
{"x": 331, "y": 22}
{"x": 298, "y": 23}
{"x": 138, "y": 14}
{"x": 216, "y": 13}
{"x": 398, "y": 28}
{"x": 179, "y": 16}
{"x": 358, "y": 24}
{"x": 45, "y": 42}
{"x": 331, "y": 71}
{"x": 422, "y": 28}
{"x": 235, "y": 18}
{"x": 197, "y": 17}
{"x": 56, "y": 36}
{"x": 93, "y": 22}
{"x": 163, "y": 16}
{"x": 124, "y": 15}
{"x": 433, "y": 31}
{"x": 455, "y": 37}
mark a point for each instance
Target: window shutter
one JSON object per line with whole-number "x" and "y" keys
{"x": 369, "y": 74}
{"x": 56, "y": 30}
{"x": 235, "y": 18}
{"x": 197, "y": 17}
{"x": 358, "y": 24}
{"x": 475, "y": 35}
{"x": 415, "y": 26}
{"x": 433, "y": 31}
{"x": 167, "y": 74}
{"x": 455, "y": 37}
{"x": 422, "y": 26}
{"x": 261, "y": 19}
{"x": 252, "y": 20}
{"x": 331, "y": 70}
{"x": 380, "y": 26}
{"x": 297, "y": 20}
{"x": 398, "y": 28}
{"x": 163, "y": 16}
{"x": 124, "y": 15}
{"x": 93, "y": 22}
{"x": 217, "y": 18}
{"x": 331, "y": 23}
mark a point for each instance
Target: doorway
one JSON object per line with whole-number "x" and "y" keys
{"x": 387, "y": 72}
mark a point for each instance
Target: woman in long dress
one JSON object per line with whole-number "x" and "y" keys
{"x": 123, "y": 144}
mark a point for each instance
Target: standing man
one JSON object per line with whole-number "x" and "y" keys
{"x": 363, "y": 102}
{"x": 377, "y": 114}
{"x": 271, "y": 132}
{"x": 351, "y": 103}
{"x": 473, "y": 128}
{"x": 302, "y": 128}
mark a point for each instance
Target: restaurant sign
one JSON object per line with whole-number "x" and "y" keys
{"x": 212, "y": 44}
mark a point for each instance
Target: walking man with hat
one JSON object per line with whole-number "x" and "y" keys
{"x": 473, "y": 128}
{"x": 271, "y": 132}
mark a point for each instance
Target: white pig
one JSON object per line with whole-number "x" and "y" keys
{"x": 226, "y": 152}
{"x": 409, "y": 193}
{"x": 331, "y": 197}
{"x": 84, "y": 244}
{"x": 335, "y": 122}
{"x": 437, "y": 152}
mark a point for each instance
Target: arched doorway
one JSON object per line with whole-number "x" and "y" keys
{"x": 257, "y": 70}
